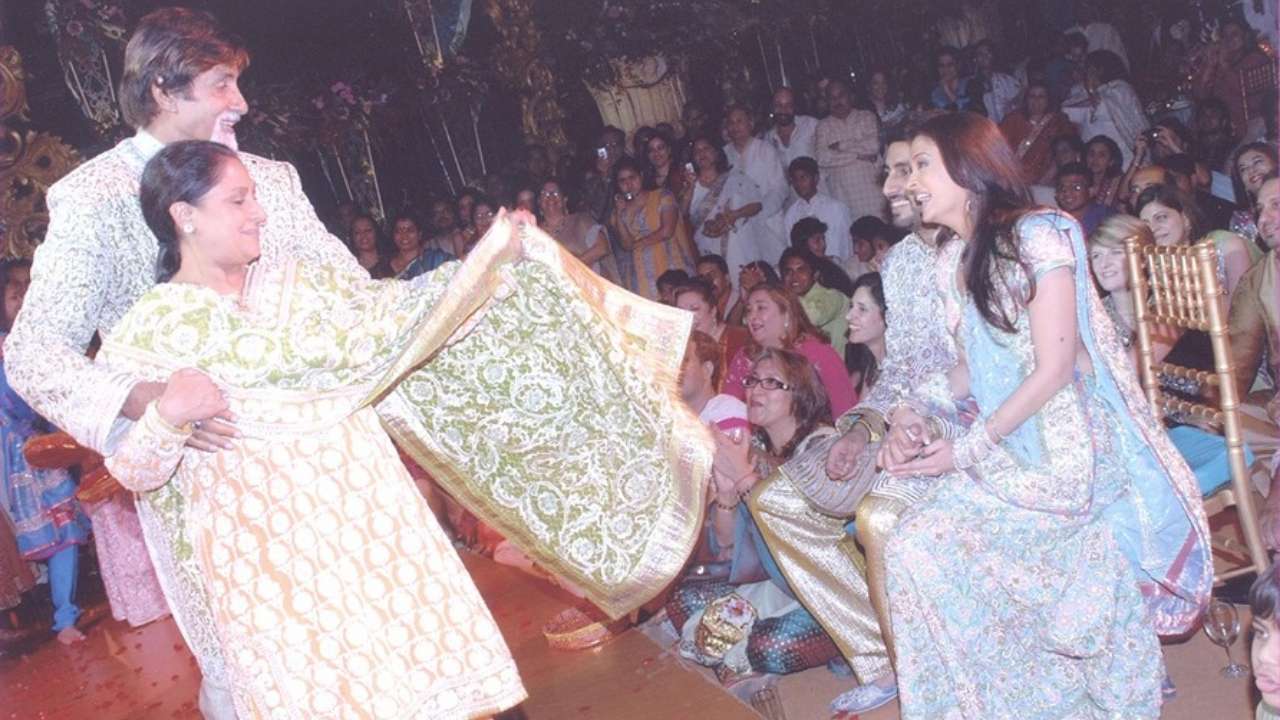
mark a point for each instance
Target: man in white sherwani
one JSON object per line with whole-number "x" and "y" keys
{"x": 762, "y": 163}
{"x": 98, "y": 257}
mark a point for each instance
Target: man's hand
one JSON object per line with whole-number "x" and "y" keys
{"x": 142, "y": 395}
{"x": 907, "y": 436}
{"x": 190, "y": 396}
{"x": 842, "y": 458}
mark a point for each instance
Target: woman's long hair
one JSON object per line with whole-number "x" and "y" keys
{"x": 799, "y": 325}
{"x": 979, "y": 159}
{"x": 1243, "y": 198}
{"x": 181, "y": 172}
{"x": 809, "y": 404}
{"x": 858, "y": 357}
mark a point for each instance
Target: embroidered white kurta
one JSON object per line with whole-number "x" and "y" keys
{"x": 762, "y": 163}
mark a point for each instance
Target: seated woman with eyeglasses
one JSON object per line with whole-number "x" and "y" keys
{"x": 777, "y": 320}
{"x": 738, "y": 615}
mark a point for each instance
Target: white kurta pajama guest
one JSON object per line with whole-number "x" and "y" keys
{"x": 741, "y": 245}
{"x": 762, "y": 163}
{"x": 802, "y": 140}
{"x": 833, "y": 213}
{"x": 97, "y": 259}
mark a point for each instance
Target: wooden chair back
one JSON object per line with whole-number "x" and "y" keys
{"x": 1179, "y": 287}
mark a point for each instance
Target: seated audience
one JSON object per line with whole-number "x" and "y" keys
{"x": 668, "y": 283}
{"x": 483, "y": 211}
{"x": 1031, "y": 131}
{"x": 445, "y": 231}
{"x": 777, "y": 321}
{"x": 1218, "y": 74}
{"x": 746, "y": 620}
{"x": 1205, "y": 452}
{"x": 1184, "y": 174}
{"x": 998, "y": 90}
{"x": 811, "y": 202}
{"x": 697, "y": 296}
{"x": 1103, "y": 157}
{"x": 749, "y": 276}
{"x": 1073, "y": 197}
{"x": 700, "y": 376}
{"x": 864, "y": 355}
{"x": 1250, "y": 166}
{"x": 1175, "y": 219}
{"x": 411, "y": 258}
{"x": 662, "y": 170}
{"x": 715, "y": 270}
{"x": 952, "y": 91}
{"x": 825, "y": 307}
{"x": 811, "y": 234}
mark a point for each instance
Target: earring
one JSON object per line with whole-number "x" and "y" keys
{"x": 189, "y": 229}
{"x": 968, "y": 206}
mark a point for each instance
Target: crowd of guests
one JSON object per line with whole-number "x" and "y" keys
{"x": 771, "y": 227}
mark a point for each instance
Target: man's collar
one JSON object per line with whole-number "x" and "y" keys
{"x": 147, "y": 144}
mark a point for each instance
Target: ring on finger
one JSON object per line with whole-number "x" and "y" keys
{"x": 197, "y": 424}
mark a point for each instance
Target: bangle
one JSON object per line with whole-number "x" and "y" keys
{"x": 972, "y": 447}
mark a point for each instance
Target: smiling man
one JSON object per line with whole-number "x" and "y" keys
{"x": 180, "y": 82}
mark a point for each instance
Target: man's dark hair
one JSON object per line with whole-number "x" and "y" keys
{"x": 804, "y": 229}
{"x": 804, "y": 163}
{"x": 713, "y": 259}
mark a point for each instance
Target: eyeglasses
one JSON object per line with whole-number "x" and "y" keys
{"x": 767, "y": 383}
{"x": 550, "y": 193}
{"x": 1066, "y": 187}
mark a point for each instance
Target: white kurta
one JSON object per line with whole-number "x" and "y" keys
{"x": 741, "y": 245}
{"x": 802, "y": 140}
{"x": 1118, "y": 115}
{"x": 830, "y": 211}
{"x": 762, "y": 163}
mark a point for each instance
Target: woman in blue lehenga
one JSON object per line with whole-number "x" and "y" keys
{"x": 49, "y": 524}
{"x": 1066, "y": 533}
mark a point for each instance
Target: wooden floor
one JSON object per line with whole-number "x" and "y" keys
{"x": 147, "y": 673}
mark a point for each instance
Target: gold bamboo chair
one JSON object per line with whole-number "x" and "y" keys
{"x": 1178, "y": 286}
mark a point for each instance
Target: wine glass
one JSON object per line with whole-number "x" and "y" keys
{"x": 1222, "y": 625}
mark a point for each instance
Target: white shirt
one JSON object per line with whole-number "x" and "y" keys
{"x": 802, "y": 140}
{"x": 830, "y": 211}
{"x": 1103, "y": 36}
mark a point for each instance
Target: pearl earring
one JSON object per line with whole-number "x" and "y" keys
{"x": 189, "y": 229}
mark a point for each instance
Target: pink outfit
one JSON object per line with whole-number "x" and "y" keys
{"x": 824, "y": 359}
{"x": 132, "y": 588}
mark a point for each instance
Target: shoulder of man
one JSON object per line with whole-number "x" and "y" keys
{"x": 258, "y": 165}
{"x": 104, "y": 176}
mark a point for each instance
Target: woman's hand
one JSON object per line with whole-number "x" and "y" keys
{"x": 936, "y": 458}
{"x": 842, "y": 457}
{"x": 907, "y": 436}
{"x": 192, "y": 397}
{"x": 733, "y": 454}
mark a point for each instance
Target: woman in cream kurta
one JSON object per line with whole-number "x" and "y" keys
{"x": 331, "y": 588}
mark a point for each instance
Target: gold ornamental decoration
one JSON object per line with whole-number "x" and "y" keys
{"x": 30, "y": 162}
{"x": 523, "y": 64}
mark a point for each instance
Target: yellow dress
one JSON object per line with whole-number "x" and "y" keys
{"x": 329, "y": 585}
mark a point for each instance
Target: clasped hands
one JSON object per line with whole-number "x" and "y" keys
{"x": 732, "y": 472}
{"x": 907, "y": 450}
{"x": 188, "y": 398}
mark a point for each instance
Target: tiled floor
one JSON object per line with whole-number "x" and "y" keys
{"x": 147, "y": 673}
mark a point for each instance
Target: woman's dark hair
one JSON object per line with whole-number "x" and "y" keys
{"x": 1264, "y": 595}
{"x": 1039, "y": 82}
{"x": 627, "y": 162}
{"x": 1072, "y": 140}
{"x": 810, "y": 405}
{"x": 804, "y": 229}
{"x": 485, "y": 200}
{"x": 382, "y": 243}
{"x": 1108, "y": 64}
{"x": 892, "y": 97}
{"x": 979, "y": 159}
{"x": 406, "y": 215}
{"x": 700, "y": 287}
{"x": 770, "y": 275}
{"x": 722, "y": 160}
{"x": 858, "y": 357}
{"x": 5, "y": 267}
{"x": 1243, "y": 199}
{"x": 1171, "y": 197}
{"x": 651, "y": 170}
{"x": 181, "y": 172}
{"x": 1114, "y": 167}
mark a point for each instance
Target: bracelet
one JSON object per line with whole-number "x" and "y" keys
{"x": 972, "y": 447}
{"x": 727, "y": 508}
